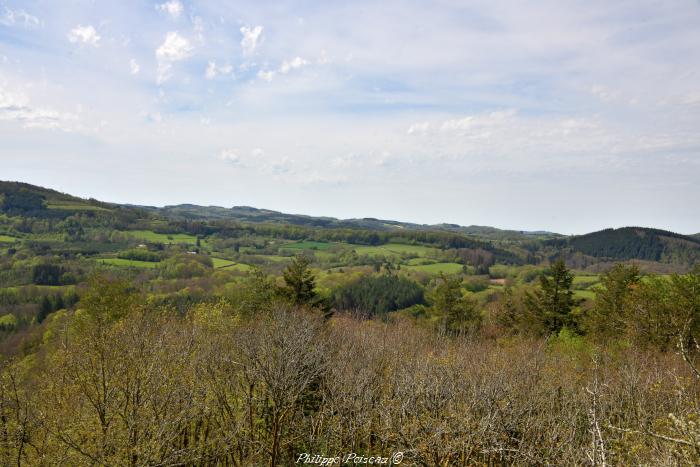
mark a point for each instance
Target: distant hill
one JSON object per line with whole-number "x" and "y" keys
{"x": 635, "y": 243}
{"x": 628, "y": 243}
{"x": 250, "y": 214}
{"x": 18, "y": 198}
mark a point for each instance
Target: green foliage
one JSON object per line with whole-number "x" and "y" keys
{"x": 21, "y": 202}
{"x": 551, "y": 304}
{"x": 299, "y": 281}
{"x": 458, "y": 313}
{"x": 636, "y": 243}
{"x": 8, "y": 322}
{"x": 140, "y": 254}
{"x": 372, "y": 295}
{"x": 606, "y": 319}
{"x": 254, "y": 295}
{"x": 47, "y": 274}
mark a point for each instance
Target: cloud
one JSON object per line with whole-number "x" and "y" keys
{"x": 11, "y": 17}
{"x": 231, "y": 156}
{"x": 173, "y": 49}
{"x": 472, "y": 122}
{"x": 134, "y": 67}
{"x": 266, "y": 75}
{"x": 252, "y": 37}
{"x": 85, "y": 34}
{"x": 15, "y": 107}
{"x": 174, "y": 8}
{"x": 293, "y": 64}
{"x": 286, "y": 67}
{"x": 213, "y": 70}
{"x": 419, "y": 128}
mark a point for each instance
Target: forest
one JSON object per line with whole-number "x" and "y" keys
{"x": 130, "y": 336}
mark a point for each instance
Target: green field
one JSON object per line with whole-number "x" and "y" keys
{"x": 392, "y": 249}
{"x": 222, "y": 263}
{"x": 307, "y": 245}
{"x": 128, "y": 263}
{"x": 151, "y": 236}
{"x": 437, "y": 268}
{"x": 7, "y": 239}
{"x": 586, "y": 279}
{"x": 588, "y": 294}
{"x": 74, "y": 207}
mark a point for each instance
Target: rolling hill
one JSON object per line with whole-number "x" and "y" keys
{"x": 628, "y": 243}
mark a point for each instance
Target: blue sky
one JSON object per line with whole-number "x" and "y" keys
{"x": 562, "y": 115}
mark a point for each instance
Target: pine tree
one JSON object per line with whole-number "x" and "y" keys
{"x": 552, "y": 303}
{"x": 299, "y": 281}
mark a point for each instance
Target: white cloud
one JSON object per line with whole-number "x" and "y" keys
{"x": 266, "y": 75}
{"x": 213, "y": 70}
{"x": 293, "y": 64}
{"x": 230, "y": 155}
{"x": 174, "y": 8}
{"x": 134, "y": 66}
{"x": 85, "y": 34}
{"x": 173, "y": 49}
{"x": 420, "y": 128}
{"x": 11, "y": 17}
{"x": 15, "y": 107}
{"x": 251, "y": 39}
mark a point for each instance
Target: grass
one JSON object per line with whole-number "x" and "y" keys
{"x": 586, "y": 279}
{"x": 74, "y": 207}
{"x": 307, "y": 245}
{"x": 436, "y": 268}
{"x": 587, "y": 294}
{"x": 151, "y": 236}
{"x": 128, "y": 263}
{"x": 222, "y": 263}
{"x": 392, "y": 249}
{"x": 7, "y": 239}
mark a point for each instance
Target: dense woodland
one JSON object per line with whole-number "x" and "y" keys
{"x": 132, "y": 337}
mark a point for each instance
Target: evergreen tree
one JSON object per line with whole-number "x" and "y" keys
{"x": 607, "y": 317}
{"x": 459, "y": 313}
{"x": 299, "y": 281}
{"x": 552, "y": 303}
{"x": 44, "y": 309}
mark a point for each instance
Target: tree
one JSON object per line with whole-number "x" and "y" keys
{"x": 551, "y": 305}
{"x": 299, "y": 281}
{"x": 606, "y": 318}
{"x": 458, "y": 312}
{"x": 44, "y": 309}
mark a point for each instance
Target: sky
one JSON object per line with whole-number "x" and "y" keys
{"x": 561, "y": 115}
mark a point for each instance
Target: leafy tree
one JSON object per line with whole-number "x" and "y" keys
{"x": 299, "y": 281}
{"x": 550, "y": 306}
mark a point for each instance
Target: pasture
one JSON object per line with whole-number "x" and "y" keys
{"x": 128, "y": 263}
{"x": 150, "y": 236}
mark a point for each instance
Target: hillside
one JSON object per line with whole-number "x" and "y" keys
{"x": 639, "y": 243}
{"x": 22, "y": 200}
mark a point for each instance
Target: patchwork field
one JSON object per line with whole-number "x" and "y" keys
{"x": 393, "y": 249}
{"x": 128, "y": 263}
{"x": 75, "y": 207}
{"x": 436, "y": 268}
{"x": 307, "y": 245}
{"x": 222, "y": 263}
{"x": 151, "y": 236}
